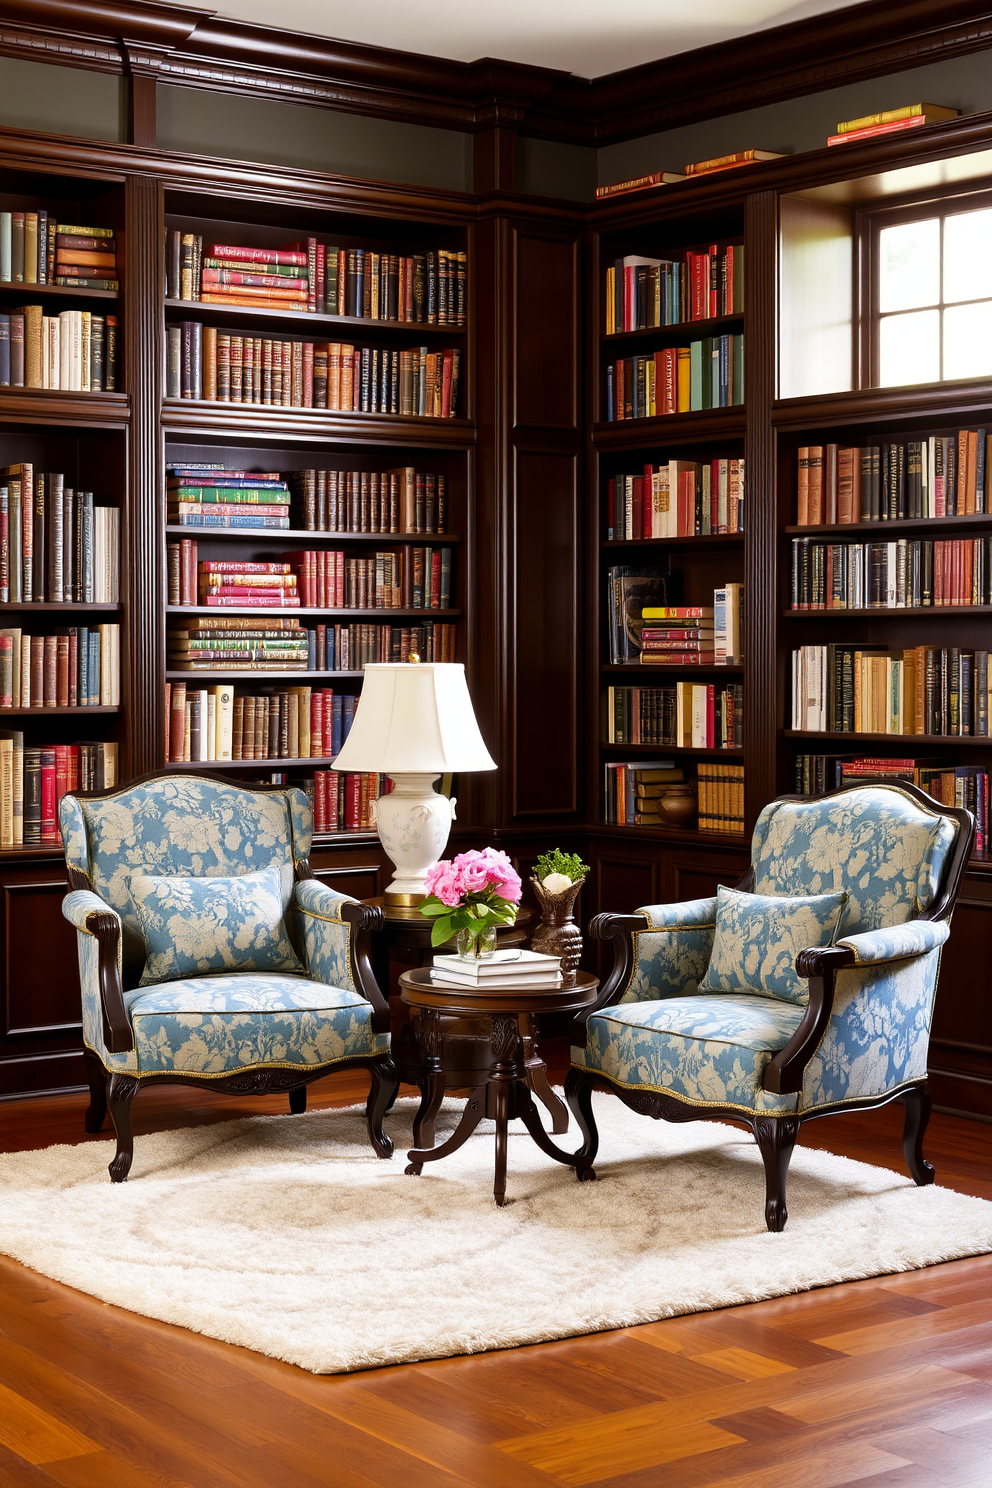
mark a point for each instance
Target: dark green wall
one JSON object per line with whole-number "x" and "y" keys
{"x": 60, "y": 100}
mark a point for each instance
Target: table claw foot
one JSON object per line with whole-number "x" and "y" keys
{"x": 415, "y": 1168}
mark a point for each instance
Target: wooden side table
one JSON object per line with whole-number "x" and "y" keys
{"x": 505, "y": 1092}
{"x": 467, "y": 1060}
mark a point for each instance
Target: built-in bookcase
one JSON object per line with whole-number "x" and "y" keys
{"x": 636, "y": 700}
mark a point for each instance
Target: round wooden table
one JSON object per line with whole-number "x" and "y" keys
{"x": 505, "y": 1092}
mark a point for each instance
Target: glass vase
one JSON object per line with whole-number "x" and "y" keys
{"x": 476, "y": 945}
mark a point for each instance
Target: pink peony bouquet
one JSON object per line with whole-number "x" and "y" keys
{"x": 474, "y": 892}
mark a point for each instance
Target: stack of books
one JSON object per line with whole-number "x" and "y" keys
{"x": 205, "y": 496}
{"x": 504, "y": 971}
{"x": 677, "y": 635}
{"x": 633, "y": 791}
{"x": 892, "y": 121}
{"x": 256, "y": 586}
{"x": 224, "y": 643}
{"x": 85, "y": 257}
{"x": 36, "y": 249}
{"x": 265, "y": 278}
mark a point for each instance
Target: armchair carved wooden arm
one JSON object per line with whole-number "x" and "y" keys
{"x": 209, "y": 956}
{"x": 850, "y": 1030}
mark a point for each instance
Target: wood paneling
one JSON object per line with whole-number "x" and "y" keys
{"x": 546, "y": 577}
{"x": 41, "y": 1037}
{"x": 546, "y": 331}
{"x": 961, "y": 1042}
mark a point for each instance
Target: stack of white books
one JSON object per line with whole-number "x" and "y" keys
{"x": 502, "y": 971}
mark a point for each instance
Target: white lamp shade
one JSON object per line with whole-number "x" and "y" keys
{"x": 414, "y": 717}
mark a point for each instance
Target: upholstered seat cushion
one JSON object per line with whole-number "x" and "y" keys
{"x": 216, "y": 1025}
{"x": 711, "y": 1049}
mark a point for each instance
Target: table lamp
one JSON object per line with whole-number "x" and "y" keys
{"x": 414, "y": 722}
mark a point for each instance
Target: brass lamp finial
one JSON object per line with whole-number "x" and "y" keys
{"x": 414, "y": 658}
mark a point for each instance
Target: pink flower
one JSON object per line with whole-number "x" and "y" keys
{"x": 444, "y": 880}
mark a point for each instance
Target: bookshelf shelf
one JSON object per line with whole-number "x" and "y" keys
{"x": 709, "y": 542}
{"x": 336, "y": 327}
{"x": 58, "y": 712}
{"x": 675, "y": 835}
{"x": 945, "y": 741}
{"x": 45, "y": 606}
{"x": 261, "y": 422}
{"x": 921, "y": 613}
{"x": 303, "y": 534}
{"x": 929, "y": 403}
{"x": 52, "y": 406}
{"x": 692, "y": 329}
{"x": 293, "y": 761}
{"x": 646, "y": 751}
{"x": 24, "y": 293}
{"x": 238, "y": 676}
{"x": 701, "y": 427}
{"x": 383, "y": 617}
{"x": 639, "y": 669}
{"x": 865, "y": 531}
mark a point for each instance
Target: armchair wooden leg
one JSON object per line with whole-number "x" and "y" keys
{"x": 578, "y": 1093}
{"x": 918, "y": 1106}
{"x": 298, "y": 1100}
{"x": 385, "y": 1082}
{"x": 120, "y": 1093}
{"x": 96, "y": 1112}
{"x": 776, "y": 1138}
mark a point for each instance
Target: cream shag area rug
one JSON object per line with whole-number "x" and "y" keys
{"x": 286, "y": 1235}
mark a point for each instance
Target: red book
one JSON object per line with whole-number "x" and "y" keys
{"x": 711, "y": 739}
{"x": 256, "y": 255}
{"x": 320, "y": 801}
{"x": 49, "y": 821}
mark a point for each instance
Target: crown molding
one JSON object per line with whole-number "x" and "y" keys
{"x": 193, "y": 47}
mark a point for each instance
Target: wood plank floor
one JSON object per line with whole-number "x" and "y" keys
{"x": 887, "y": 1382}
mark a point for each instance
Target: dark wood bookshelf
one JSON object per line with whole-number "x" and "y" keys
{"x": 860, "y": 531}
{"x": 701, "y": 427}
{"x": 918, "y": 612}
{"x": 296, "y": 762}
{"x": 57, "y": 607}
{"x": 46, "y": 712}
{"x": 637, "y": 668}
{"x": 647, "y": 750}
{"x": 677, "y": 835}
{"x": 263, "y": 423}
{"x": 238, "y": 678}
{"x": 942, "y": 741}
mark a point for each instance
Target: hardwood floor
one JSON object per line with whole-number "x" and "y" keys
{"x": 887, "y": 1381}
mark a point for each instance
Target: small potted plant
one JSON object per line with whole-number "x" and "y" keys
{"x": 556, "y": 880}
{"x": 468, "y": 897}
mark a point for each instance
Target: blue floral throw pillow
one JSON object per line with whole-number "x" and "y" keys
{"x": 194, "y": 926}
{"x": 758, "y": 937}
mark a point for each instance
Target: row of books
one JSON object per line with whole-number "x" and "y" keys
{"x": 426, "y": 288}
{"x": 74, "y": 352}
{"x": 868, "y": 690}
{"x": 228, "y": 583}
{"x": 214, "y": 643}
{"x": 220, "y": 723}
{"x": 404, "y": 500}
{"x": 406, "y": 578}
{"x": 643, "y": 293}
{"x": 680, "y": 498}
{"x": 56, "y": 546}
{"x": 204, "y": 363}
{"x": 34, "y": 778}
{"x": 910, "y": 573}
{"x": 720, "y": 794}
{"x": 689, "y": 715}
{"x": 210, "y": 496}
{"x": 633, "y": 791}
{"x": 343, "y": 802}
{"x": 952, "y": 785}
{"x": 891, "y": 121}
{"x": 77, "y": 667}
{"x": 693, "y": 170}
{"x": 941, "y": 475}
{"x": 678, "y": 379}
{"x": 329, "y": 648}
{"x": 35, "y": 248}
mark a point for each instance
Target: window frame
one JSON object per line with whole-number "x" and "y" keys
{"x": 947, "y": 203}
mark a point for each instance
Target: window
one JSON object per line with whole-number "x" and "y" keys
{"x": 933, "y": 295}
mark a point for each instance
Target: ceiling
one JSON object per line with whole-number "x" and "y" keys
{"x": 587, "y": 37}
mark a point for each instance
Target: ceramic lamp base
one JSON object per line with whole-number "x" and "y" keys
{"x": 413, "y": 823}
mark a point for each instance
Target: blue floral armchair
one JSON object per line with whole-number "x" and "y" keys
{"x": 208, "y": 955}
{"x": 853, "y": 1029}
